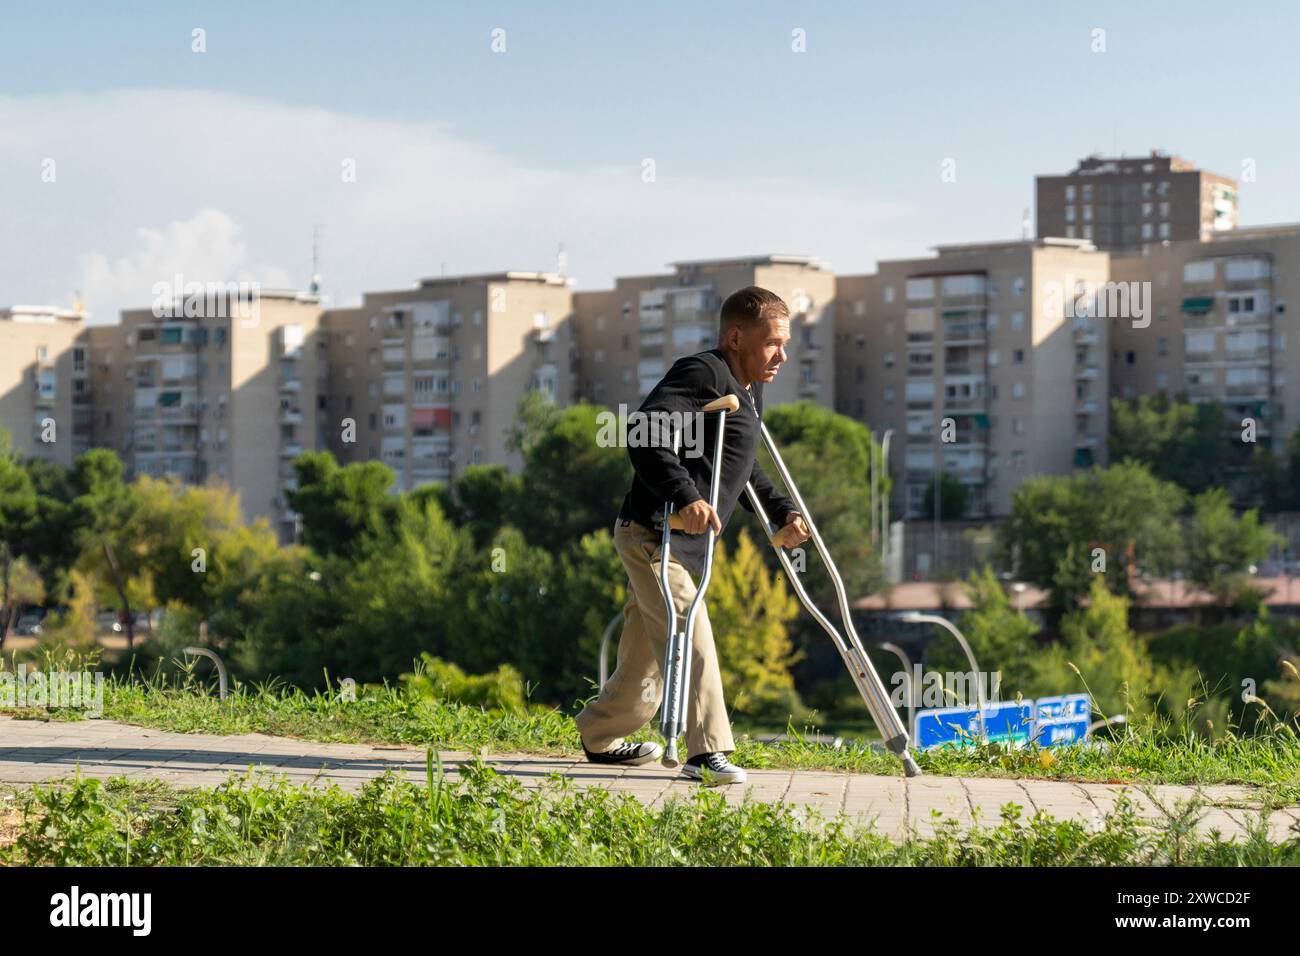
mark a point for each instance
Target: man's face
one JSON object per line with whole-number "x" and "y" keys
{"x": 762, "y": 348}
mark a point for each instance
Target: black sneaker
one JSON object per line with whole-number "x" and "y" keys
{"x": 713, "y": 769}
{"x": 626, "y": 753}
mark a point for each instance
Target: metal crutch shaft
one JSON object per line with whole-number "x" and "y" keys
{"x": 848, "y": 644}
{"x": 677, "y": 655}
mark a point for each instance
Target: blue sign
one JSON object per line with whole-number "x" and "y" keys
{"x": 1059, "y": 721}
{"x": 1048, "y": 722}
{"x": 1070, "y": 705}
{"x": 1006, "y": 721}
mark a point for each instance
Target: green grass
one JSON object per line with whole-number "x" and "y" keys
{"x": 486, "y": 819}
{"x": 1268, "y": 758}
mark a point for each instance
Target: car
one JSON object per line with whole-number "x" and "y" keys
{"x": 28, "y": 625}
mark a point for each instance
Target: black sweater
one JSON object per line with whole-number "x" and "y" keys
{"x": 690, "y": 384}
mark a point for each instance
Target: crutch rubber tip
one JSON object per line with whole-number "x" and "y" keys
{"x": 910, "y": 767}
{"x": 670, "y": 759}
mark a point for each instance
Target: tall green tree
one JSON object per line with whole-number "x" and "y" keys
{"x": 17, "y": 513}
{"x": 952, "y": 497}
{"x": 1221, "y": 546}
{"x": 1110, "y": 522}
{"x": 571, "y": 485}
{"x": 1180, "y": 442}
{"x": 113, "y": 542}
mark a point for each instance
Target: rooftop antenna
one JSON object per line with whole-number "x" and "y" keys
{"x": 315, "y": 258}
{"x": 561, "y": 260}
{"x": 1024, "y": 224}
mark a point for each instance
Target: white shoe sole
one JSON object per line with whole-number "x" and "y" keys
{"x": 633, "y": 761}
{"x": 711, "y": 778}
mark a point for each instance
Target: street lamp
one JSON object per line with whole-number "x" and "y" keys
{"x": 916, "y": 617}
{"x": 908, "y": 682}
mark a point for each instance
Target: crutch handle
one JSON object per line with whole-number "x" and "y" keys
{"x": 727, "y": 403}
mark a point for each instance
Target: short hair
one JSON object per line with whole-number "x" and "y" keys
{"x": 749, "y": 306}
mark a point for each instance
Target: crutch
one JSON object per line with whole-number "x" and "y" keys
{"x": 677, "y": 655}
{"x": 848, "y": 644}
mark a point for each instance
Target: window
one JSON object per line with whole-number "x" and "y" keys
{"x": 990, "y": 323}
{"x": 1163, "y": 231}
{"x": 1162, "y": 346}
{"x": 1164, "y": 210}
{"x": 1018, "y": 357}
{"x": 1069, "y": 194}
{"x": 861, "y": 343}
{"x": 993, "y": 358}
{"x": 920, "y": 289}
{"x": 1130, "y": 358}
{"x": 374, "y": 323}
{"x": 859, "y": 374}
{"x": 889, "y": 360}
{"x": 1199, "y": 271}
{"x": 1069, "y": 232}
{"x": 1069, "y": 214}
{"x": 1087, "y": 214}
{"x": 889, "y": 293}
{"x": 1017, "y": 321}
{"x": 1162, "y": 380}
{"x": 1087, "y": 192}
{"x": 1147, "y": 209}
{"x": 1018, "y": 390}
{"x": 1017, "y": 459}
{"x": 1018, "y": 286}
{"x": 78, "y": 359}
{"x": 1147, "y": 231}
{"x": 1087, "y": 232}
{"x": 889, "y": 393}
{"x": 1017, "y": 425}
{"x": 373, "y": 390}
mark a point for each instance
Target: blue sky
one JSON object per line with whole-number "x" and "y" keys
{"x": 219, "y": 164}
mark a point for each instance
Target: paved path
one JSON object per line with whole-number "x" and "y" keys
{"x": 33, "y": 751}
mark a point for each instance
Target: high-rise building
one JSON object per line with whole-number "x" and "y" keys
{"x": 982, "y": 360}
{"x": 1127, "y": 203}
{"x": 628, "y": 336}
{"x": 223, "y": 391}
{"x": 44, "y": 382}
{"x": 1224, "y": 327}
{"x": 428, "y": 379}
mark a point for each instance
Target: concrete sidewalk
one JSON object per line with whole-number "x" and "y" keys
{"x": 36, "y": 751}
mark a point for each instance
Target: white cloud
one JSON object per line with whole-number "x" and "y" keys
{"x": 150, "y": 182}
{"x": 206, "y": 248}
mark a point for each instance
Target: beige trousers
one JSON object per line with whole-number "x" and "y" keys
{"x": 633, "y": 692}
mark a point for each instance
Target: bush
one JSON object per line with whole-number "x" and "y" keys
{"x": 438, "y": 680}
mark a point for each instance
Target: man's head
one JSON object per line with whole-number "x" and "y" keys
{"x": 753, "y": 333}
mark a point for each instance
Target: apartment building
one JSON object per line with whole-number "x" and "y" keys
{"x": 1224, "y": 327}
{"x": 44, "y": 382}
{"x": 428, "y": 379}
{"x": 225, "y": 390}
{"x": 627, "y": 337}
{"x": 1126, "y": 203}
{"x": 985, "y": 360}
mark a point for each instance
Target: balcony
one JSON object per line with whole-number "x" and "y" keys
{"x": 177, "y": 414}
{"x": 1086, "y": 373}
{"x": 1087, "y": 406}
{"x": 290, "y": 416}
{"x": 810, "y": 387}
{"x": 1086, "y": 441}
{"x": 291, "y": 449}
{"x": 1087, "y": 337}
{"x": 291, "y": 385}
{"x": 964, "y": 333}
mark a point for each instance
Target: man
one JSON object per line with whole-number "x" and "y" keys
{"x": 752, "y": 336}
